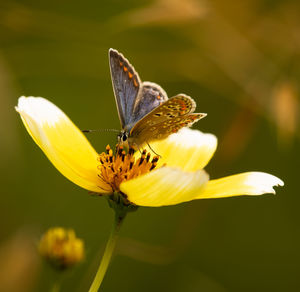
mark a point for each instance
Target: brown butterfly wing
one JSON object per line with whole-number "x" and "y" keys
{"x": 178, "y": 105}
{"x": 164, "y": 129}
{"x": 168, "y": 118}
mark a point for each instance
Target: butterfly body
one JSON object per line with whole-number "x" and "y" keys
{"x": 145, "y": 112}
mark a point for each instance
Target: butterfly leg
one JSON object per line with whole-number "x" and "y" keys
{"x": 139, "y": 149}
{"x": 153, "y": 150}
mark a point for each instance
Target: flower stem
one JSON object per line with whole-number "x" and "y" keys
{"x": 59, "y": 275}
{"x": 110, "y": 246}
{"x": 55, "y": 288}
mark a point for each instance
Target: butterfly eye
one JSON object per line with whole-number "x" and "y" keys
{"x": 124, "y": 137}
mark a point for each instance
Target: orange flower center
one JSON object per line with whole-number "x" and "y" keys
{"x": 122, "y": 166}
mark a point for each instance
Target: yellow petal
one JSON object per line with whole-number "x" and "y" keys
{"x": 164, "y": 186}
{"x": 62, "y": 142}
{"x": 248, "y": 183}
{"x": 188, "y": 149}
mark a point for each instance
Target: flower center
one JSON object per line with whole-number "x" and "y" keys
{"x": 122, "y": 166}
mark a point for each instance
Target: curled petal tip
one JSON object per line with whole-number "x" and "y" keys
{"x": 264, "y": 182}
{"x": 247, "y": 183}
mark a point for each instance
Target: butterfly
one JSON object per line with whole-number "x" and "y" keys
{"x": 145, "y": 111}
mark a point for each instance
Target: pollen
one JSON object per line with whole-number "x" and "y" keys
{"x": 121, "y": 166}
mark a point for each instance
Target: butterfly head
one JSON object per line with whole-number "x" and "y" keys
{"x": 123, "y": 138}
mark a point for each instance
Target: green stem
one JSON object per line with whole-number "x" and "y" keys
{"x": 55, "y": 288}
{"x": 110, "y": 246}
{"x": 58, "y": 275}
{"x": 57, "y": 284}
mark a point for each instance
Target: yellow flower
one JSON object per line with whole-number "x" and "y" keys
{"x": 61, "y": 247}
{"x": 176, "y": 177}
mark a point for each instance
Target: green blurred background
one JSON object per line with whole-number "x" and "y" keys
{"x": 238, "y": 59}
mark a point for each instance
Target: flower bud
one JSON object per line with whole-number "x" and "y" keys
{"x": 61, "y": 247}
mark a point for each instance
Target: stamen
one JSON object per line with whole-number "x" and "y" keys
{"x": 142, "y": 159}
{"x": 131, "y": 164}
{"x": 148, "y": 157}
{"x": 110, "y": 156}
{"x": 155, "y": 159}
{"x": 131, "y": 151}
{"x": 122, "y": 166}
{"x": 153, "y": 165}
{"x": 107, "y": 149}
{"x": 123, "y": 155}
{"x": 120, "y": 150}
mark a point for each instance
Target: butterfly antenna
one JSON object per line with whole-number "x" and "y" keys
{"x": 100, "y": 130}
{"x": 153, "y": 150}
